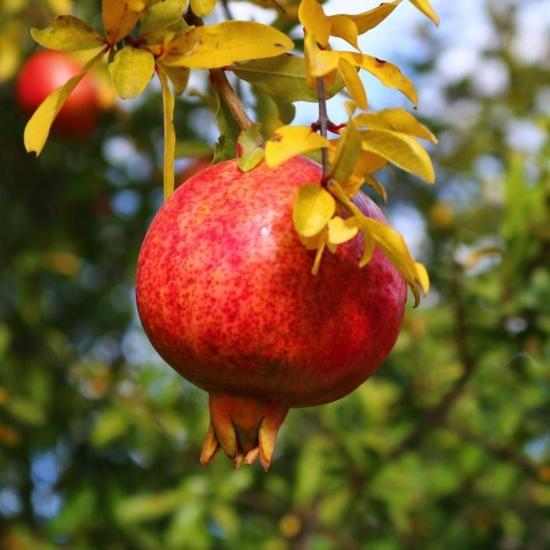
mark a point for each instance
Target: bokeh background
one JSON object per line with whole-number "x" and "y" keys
{"x": 447, "y": 446}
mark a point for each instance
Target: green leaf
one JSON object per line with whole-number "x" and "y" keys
{"x": 161, "y": 16}
{"x": 400, "y": 149}
{"x": 251, "y": 143}
{"x": 38, "y": 127}
{"x": 68, "y": 33}
{"x": 313, "y": 208}
{"x": 131, "y": 70}
{"x": 284, "y": 77}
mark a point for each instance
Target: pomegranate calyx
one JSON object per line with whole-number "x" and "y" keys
{"x": 244, "y": 427}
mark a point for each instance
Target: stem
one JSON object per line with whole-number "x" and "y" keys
{"x": 228, "y": 95}
{"x": 323, "y": 122}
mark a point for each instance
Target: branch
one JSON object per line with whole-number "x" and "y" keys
{"x": 437, "y": 415}
{"x": 323, "y": 122}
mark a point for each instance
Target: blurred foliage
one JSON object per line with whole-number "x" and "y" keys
{"x": 448, "y": 445}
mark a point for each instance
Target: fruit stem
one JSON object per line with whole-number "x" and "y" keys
{"x": 323, "y": 123}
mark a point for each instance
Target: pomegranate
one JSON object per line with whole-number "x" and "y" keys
{"x": 226, "y": 295}
{"x": 42, "y": 73}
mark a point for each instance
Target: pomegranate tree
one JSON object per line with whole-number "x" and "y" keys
{"x": 225, "y": 294}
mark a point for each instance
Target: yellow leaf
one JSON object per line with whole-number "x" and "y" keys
{"x": 344, "y": 27}
{"x": 214, "y": 46}
{"x": 425, "y": 7}
{"x": 68, "y": 33}
{"x": 397, "y": 120}
{"x": 202, "y": 8}
{"x": 319, "y": 62}
{"x": 179, "y": 76}
{"x": 369, "y": 19}
{"x": 319, "y": 255}
{"x": 169, "y": 134}
{"x": 120, "y": 17}
{"x": 313, "y": 208}
{"x": 314, "y": 20}
{"x": 39, "y": 125}
{"x": 161, "y": 15}
{"x": 290, "y": 141}
{"x": 347, "y": 153}
{"x": 369, "y": 163}
{"x": 369, "y": 244}
{"x": 353, "y": 83}
{"x": 401, "y": 150}
{"x": 342, "y": 230}
{"x": 131, "y": 70}
{"x": 372, "y": 182}
{"x": 386, "y": 72}
{"x": 252, "y": 145}
{"x": 422, "y": 277}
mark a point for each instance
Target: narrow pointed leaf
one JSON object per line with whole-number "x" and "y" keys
{"x": 214, "y": 46}
{"x": 345, "y": 28}
{"x": 68, "y": 33}
{"x": 314, "y": 21}
{"x": 131, "y": 70}
{"x": 120, "y": 17}
{"x": 290, "y": 141}
{"x": 372, "y": 18}
{"x": 39, "y": 125}
{"x": 319, "y": 62}
{"x": 353, "y": 82}
{"x": 347, "y": 153}
{"x": 169, "y": 134}
{"x": 425, "y": 7}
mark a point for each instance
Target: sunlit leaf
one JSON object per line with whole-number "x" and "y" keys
{"x": 386, "y": 72}
{"x": 353, "y": 82}
{"x": 162, "y": 15}
{"x": 372, "y": 182}
{"x": 284, "y": 76}
{"x": 314, "y": 21}
{"x": 425, "y": 7}
{"x": 202, "y": 8}
{"x": 120, "y": 17}
{"x": 342, "y": 230}
{"x": 214, "y": 46}
{"x": 131, "y": 70}
{"x": 313, "y": 208}
{"x": 369, "y": 246}
{"x": 251, "y": 143}
{"x": 345, "y": 28}
{"x": 401, "y": 150}
{"x": 422, "y": 277}
{"x": 347, "y": 153}
{"x": 372, "y": 18}
{"x": 290, "y": 141}
{"x": 319, "y": 62}
{"x": 168, "y": 101}
{"x": 68, "y": 33}
{"x": 39, "y": 125}
{"x": 397, "y": 120}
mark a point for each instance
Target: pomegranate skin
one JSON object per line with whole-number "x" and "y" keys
{"x": 226, "y": 295}
{"x": 42, "y": 73}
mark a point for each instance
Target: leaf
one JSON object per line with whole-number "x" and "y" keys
{"x": 347, "y": 153}
{"x": 369, "y": 245}
{"x": 342, "y": 230}
{"x": 344, "y": 27}
{"x": 425, "y": 7}
{"x": 215, "y": 46}
{"x": 319, "y": 62}
{"x": 131, "y": 70}
{"x": 422, "y": 277}
{"x": 120, "y": 17}
{"x": 386, "y": 72}
{"x": 283, "y": 77}
{"x": 68, "y": 33}
{"x": 314, "y": 20}
{"x": 372, "y": 182}
{"x": 369, "y": 163}
{"x": 161, "y": 16}
{"x": 168, "y": 101}
{"x": 253, "y": 152}
{"x": 202, "y": 8}
{"x": 319, "y": 255}
{"x": 179, "y": 76}
{"x": 290, "y": 141}
{"x": 401, "y": 150}
{"x": 353, "y": 82}
{"x": 39, "y": 125}
{"x": 313, "y": 208}
{"x": 397, "y": 120}
{"x": 372, "y": 18}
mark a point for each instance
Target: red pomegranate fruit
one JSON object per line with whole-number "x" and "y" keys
{"x": 42, "y": 73}
{"x": 226, "y": 296}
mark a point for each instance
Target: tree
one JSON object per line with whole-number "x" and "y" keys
{"x": 444, "y": 446}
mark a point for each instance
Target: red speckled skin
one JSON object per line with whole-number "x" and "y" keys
{"x": 225, "y": 293}
{"x": 45, "y": 71}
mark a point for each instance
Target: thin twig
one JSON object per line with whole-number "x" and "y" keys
{"x": 323, "y": 122}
